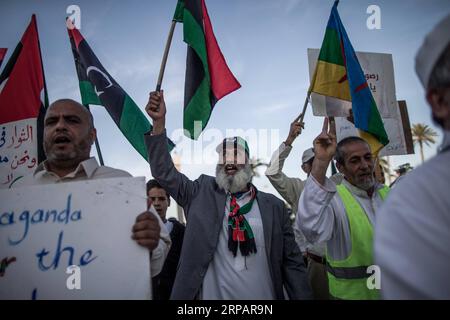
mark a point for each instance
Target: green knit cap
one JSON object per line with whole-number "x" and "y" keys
{"x": 234, "y": 142}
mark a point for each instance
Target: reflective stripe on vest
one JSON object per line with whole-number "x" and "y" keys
{"x": 348, "y": 272}
{"x": 348, "y": 277}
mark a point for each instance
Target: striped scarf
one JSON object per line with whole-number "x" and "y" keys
{"x": 239, "y": 231}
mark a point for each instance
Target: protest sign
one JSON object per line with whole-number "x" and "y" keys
{"x": 18, "y": 150}
{"x": 379, "y": 71}
{"x": 73, "y": 241}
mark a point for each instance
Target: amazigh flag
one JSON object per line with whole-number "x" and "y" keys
{"x": 23, "y": 101}
{"x": 338, "y": 74}
{"x": 2, "y": 55}
{"x": 98, "y": 87}
{"x": 208, "y": 78}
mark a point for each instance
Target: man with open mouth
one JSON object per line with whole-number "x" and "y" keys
{"x": 69, "y": 133}
{"x": 238, "y": 242}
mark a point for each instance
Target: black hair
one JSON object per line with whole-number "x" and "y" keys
{"x": 154, "y": 184}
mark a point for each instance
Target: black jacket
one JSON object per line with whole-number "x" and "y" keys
{"x": 163, "y": 282}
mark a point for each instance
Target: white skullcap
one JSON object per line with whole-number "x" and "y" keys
{"x": 432, "y": 48}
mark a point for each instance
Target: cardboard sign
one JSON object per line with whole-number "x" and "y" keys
{"x": 73, "y": 241}
{"x": 379, "y": 71}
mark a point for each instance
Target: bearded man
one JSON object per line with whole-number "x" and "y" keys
{"x": 238, "y": 242}
{"x": 343, "y": 216}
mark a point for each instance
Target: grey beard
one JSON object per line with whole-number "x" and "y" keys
{"x": 366, "y": 185}
{"x": 236, "y": 183}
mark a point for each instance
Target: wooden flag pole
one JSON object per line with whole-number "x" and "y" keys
{"x": 166, "y": 54}
{"x": 97, "y": 146}
{"x": 305, "y": 105}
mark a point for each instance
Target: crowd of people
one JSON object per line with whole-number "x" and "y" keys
{"x": 239, "y": 242}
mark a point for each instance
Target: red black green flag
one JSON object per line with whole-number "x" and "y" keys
{"x": 208, "y": 78}
{"x": 23, "y": 93}
{"x": 99, "y": 88}
{"x": 2, "y": 55}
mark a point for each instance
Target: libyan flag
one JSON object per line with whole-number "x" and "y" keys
{"x": 2, "y": 55}
{"x": 208, "y": 78}
{"x": 338, "y": 74}
{"x": 23, "y": 93}
{"x": 99, "y": 88}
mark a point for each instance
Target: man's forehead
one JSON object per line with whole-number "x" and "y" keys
{"x": 356, "y": 148}
{"x": 231, "y": 149}
{"x": 65, "y": 109}
{"x": 156, "y": 190}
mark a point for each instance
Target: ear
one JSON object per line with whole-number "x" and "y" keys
{"x": 168, "y": 201}
{"x": 303, "y": 168}
{"x": 440, "y": 106}
{"x": 340, "y": 167}
{"x": 93, "y": 135}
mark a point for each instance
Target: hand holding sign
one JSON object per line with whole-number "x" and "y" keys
{"x": 146, "y": 230}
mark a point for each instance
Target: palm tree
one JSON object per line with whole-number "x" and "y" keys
{"x": 422, "y": 133}
{"x": 255, "y": 163}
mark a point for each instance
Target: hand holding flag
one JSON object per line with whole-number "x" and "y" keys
{"x": 156, "y": 109}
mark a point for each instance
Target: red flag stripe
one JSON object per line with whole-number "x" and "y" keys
{"x": 2, "y": 54}
{"x": 26, "y": 77}
{"x": 223, "y": 81}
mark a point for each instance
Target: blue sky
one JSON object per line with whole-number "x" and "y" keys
{"x": 264, "y": 43}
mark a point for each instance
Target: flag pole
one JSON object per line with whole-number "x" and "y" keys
{"x": 97, "y": 146}
{"x": 305, "y": 105}
{"x": 166, "y": 54}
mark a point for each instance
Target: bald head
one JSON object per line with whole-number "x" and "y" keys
{"x": 68, "y": 135}
{"x": 83, "y": 109}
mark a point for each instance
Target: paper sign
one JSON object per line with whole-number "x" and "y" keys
{"x": 18, "y": 150}
{"x": 46, "y": 229}
{"x": 379, "y": 72}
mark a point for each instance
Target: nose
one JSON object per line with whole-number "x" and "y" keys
{"x": 61, "y": 124}
{"x": 366, "y": 164}
{"x": 230, "y": 159}
{"x": 149, "y": 202}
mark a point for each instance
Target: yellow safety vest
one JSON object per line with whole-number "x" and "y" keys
{"x": 347, "y": 278}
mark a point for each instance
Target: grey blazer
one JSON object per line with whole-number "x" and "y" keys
{"x": 204, "y": 204}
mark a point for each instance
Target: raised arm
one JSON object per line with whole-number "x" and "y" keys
{"x": 289, "y": 188}
{"x": 163, "y": 170}
{"x": 315, "y": 216}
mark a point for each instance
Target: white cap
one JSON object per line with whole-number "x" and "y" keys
{"x": 307, "y": 155}
{"x": 432, "y": 48}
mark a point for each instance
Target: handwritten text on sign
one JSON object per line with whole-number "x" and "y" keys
{"x": 378, "y": 69}
{"x": 18, "y": 150}
{"x": 45, "y": 229}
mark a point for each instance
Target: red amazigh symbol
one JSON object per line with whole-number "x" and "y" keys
{"x": 343, "y": 78}
{"x": 361, "y": 86}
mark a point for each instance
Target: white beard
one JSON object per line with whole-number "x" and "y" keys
{"x": 366, "y": 185}
{"x": 235, "y": 183}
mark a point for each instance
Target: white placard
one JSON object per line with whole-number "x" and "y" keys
{"x": 18, "y": 150}
{"x": 45, "y": 229}
{"x": 379, "y": 71}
